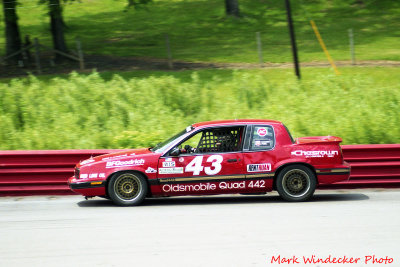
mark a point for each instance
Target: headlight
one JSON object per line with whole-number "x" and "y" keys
{"x": 76, "y": 173}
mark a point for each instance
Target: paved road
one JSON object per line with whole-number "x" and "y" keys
{"x": 204, "y": 231}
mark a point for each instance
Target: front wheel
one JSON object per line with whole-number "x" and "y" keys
{"x": 127, "y": 189}
{"x": 296, "y": 183}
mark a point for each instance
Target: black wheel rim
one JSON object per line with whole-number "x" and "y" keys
{"x": 296, "y": 183}
{"x": 127, "y": 186}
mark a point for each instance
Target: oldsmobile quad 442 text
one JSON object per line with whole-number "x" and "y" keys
{"x": 217, "y": 157}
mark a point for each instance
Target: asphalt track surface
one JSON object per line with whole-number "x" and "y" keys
{"x": 201, "y": 231}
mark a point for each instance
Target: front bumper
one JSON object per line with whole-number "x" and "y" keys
{"x": 87, "y": 188}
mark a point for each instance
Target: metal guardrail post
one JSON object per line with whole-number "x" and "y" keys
{"x": 80, "y": 54}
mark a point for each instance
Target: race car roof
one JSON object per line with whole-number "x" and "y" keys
{"x": 235, "y": 122}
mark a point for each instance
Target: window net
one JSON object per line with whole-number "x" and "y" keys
{"x": 220, "y": 140}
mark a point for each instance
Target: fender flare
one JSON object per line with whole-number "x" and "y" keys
{"x": 132, "y": 171}
{"x": 288, "y": 163}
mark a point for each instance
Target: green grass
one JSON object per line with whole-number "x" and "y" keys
{"x": 135, "y": 109}
{"x": 200, "y": 31}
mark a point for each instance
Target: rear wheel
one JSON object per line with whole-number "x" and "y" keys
{"x": 296, "y": 183}
{"x": 127, "y": 189}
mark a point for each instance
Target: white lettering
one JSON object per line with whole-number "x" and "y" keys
{"x": 132, "y": 162}
{"x": 87, "y": 161}
{"x": 150, "y": 170}
{"x": 234, "y": 185}
{"x": 195, "y": 165}
{"x": 316, "y": 153}
{"x": 170, "y": 170}
{"x": 216, "y": 163}
{"x": 187, "y": 188}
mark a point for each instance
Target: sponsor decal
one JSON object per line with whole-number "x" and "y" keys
{"x": 196, "y": 165}
{"x": 262, "y": 143}
{"x": 262, "y": 167}
{"x": 87, "y": 161}
{"x": 92, "y": 175}
{"x": 262, "y": 132}
{"x": 213, "y": 186}
{"x": 167, "y": 164}
{"x": 168, "y": 159}
{"x": 126, "y": 163}
{"x": 150, "y": 170}
{"x": 116, "y": 157}
{"x": 189, "y": 188}
{"x": 181, "y": 159}
{"x": 316, "y": 153}
{"x": 170, "y": 170}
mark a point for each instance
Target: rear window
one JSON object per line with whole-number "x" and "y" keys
{"x": 290, "y": 135}
{"x": 262, "y": 138}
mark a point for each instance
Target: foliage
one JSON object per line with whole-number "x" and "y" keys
{"x": 91, "y": 111}
{"x": 199, "y": 30}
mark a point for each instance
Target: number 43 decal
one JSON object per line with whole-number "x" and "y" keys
{"x": 196, "y": 166}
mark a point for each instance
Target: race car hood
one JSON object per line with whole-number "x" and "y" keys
{"x": 318, "y": 140}
{"x": 116, "y": 156}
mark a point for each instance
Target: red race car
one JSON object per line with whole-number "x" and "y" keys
{"x": 217, "y": 157}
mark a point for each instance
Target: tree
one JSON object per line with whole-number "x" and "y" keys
{"x": 57, "y": 26}
{"x": 232, "y": 8}
{"x": 137, "y": 3}
{"x": 13, "y": 39}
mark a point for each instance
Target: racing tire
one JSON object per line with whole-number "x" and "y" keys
{"x": 296, "y": 183}
{"x": 127, "y": 189}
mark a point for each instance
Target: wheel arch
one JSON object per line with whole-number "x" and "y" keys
{"x": 149, "y": 194}
{"x": 280, "y": 168}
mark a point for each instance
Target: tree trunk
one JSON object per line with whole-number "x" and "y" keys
{"x": 13, "y": 39}
{"x": 57, "y": 28}
{"x": 232, "y": 8}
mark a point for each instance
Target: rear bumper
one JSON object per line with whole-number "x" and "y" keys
{"x": 334, "y": 175}
{"x": 87, "y": 188}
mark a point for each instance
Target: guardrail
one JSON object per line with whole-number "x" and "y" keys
{"x": 46, "y": 172}
{"x": 40, "y": 172}
{"x": 373, "y": 166}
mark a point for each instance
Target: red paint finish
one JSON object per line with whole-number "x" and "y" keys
{"x": 263, "y": 148}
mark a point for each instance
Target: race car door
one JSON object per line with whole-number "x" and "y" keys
{"x": 259, "y": 156}
{"x": 208, "y": 162}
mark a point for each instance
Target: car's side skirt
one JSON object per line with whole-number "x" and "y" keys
{"x": 217, "y": 178}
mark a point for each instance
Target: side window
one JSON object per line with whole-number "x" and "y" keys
{"x": 191, "y": 144}
{"x": 225, "y": 139}
{"x": 262, "y": 138}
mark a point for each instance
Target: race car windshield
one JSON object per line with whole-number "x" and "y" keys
{"x": 160, "y": 147}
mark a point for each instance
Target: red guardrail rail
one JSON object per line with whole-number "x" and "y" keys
{"x": 40, "y": 172}
{"x": 372, "y": 166}
{"x": 46, "y": 172}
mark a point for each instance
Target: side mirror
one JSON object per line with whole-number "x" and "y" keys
{"x": 175, "y": 152}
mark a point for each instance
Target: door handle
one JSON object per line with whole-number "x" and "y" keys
{"x": 232, "y": 160}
